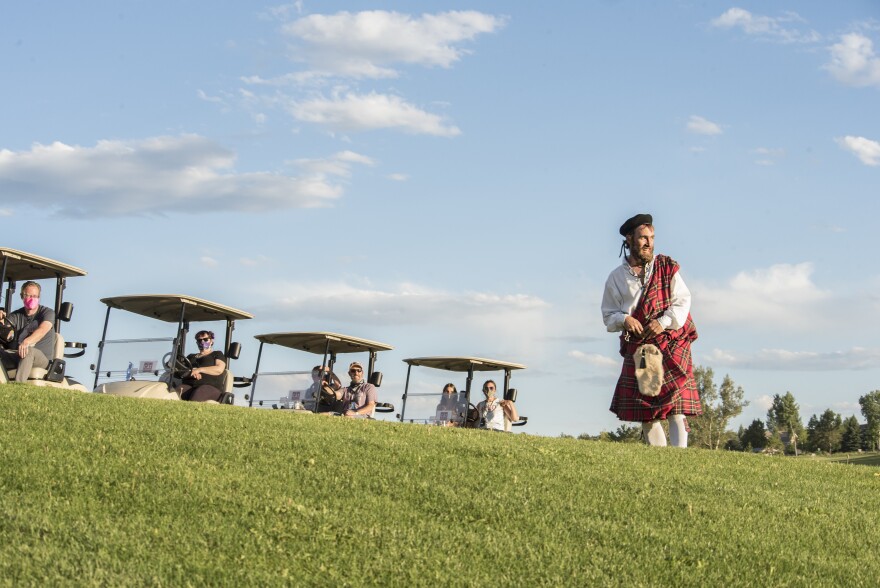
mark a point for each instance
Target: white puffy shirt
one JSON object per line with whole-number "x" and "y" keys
{"x": 623, "y": 289}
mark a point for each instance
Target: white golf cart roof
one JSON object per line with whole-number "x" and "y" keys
{"x": 21, "y": 265}
{"x": 464, "y": 364}
{"x": 166, "y": 307}
{"x": 317, "y": 342}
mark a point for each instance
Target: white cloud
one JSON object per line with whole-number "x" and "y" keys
{"x": 367, "y": 44}
{"x": 355, "y": 112}
{"x": 866, "y": 150}
{"x": 595, "y": 360}
{"x": 401, "y": 304}
{"x": 854, "y": 62}
{"x": 338, "y": 165}
{"x": 778, "y": 296}
{"x": 208, "y": 261}
{"x": 398, "y": 177}
{"x": 284, "y": 11}
{"x": 781, "y": 29}
{"x": 701, "y": 126}
{"x": 857, "y": 358}
{"x": 288, "y": 79}
{"x": 5, "y": 212}
{"x": 215, "y": 99}
{"x": 764, "y": 402}
{"x": 371, "y": 45}
{"x": 161, "y": 175}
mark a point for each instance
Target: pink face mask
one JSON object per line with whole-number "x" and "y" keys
{"x": 31, "y": 303}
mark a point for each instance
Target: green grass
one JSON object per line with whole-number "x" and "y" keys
{"x": 98, "y": 490}
{"x": 865, "y": 459}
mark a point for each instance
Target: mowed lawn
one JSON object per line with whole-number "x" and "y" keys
{"x": 98, "y": 490}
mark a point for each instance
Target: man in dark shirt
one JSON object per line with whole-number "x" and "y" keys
{"x": 34, "y": 336}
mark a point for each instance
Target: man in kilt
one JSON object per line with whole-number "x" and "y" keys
{"x": 647, "y": 301}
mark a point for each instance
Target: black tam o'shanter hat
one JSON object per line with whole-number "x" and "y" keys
{"x": 632, "y": 223}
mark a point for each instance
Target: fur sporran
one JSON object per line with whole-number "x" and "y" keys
{"x": 649, "y": 369}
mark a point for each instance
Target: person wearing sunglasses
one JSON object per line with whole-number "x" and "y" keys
{"x": 205, "y": 381}
{"x": 493, "y": 411}
{"x": 359, "y": 397}
{"x": 29, "y": 334}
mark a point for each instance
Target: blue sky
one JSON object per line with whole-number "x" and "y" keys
{"x": 450, "y": 180}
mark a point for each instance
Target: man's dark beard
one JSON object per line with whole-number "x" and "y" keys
{"x": 640, "y": 256}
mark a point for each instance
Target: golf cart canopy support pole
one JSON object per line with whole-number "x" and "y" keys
{"x": 178, "y": 347}
{"x": 230, "y": 327}
{"x": 254, "y": 378}
{"x": 60, "y": 285}
{"x": 323, "y": 365}
{"x": 3, "y": 282}
{"x": 405, "y": 392}
{"x": 101, "y": 347}
{"x": 371, "y": 364}
{"x": 467, "y": 385}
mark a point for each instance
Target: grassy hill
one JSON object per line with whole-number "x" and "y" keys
{"x": 98, "y": 490}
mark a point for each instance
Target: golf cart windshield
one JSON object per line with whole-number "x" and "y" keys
{"x": 291, "y": 388}
{"x": 424, "y": 400}
{"x": 149, "y": 356}
{"x": 19, "y": 267}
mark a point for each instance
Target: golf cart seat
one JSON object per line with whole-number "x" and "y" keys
{"x": 227, "y": 396}
{"x": 53, "y": 374}
{"x": 384, "y": 407}
{"x": 376, "y": 380}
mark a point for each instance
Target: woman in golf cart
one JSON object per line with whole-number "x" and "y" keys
{"x": 494, "y": 411}
{"x": 450, "y": 412}
{"x": 205, "y": 381}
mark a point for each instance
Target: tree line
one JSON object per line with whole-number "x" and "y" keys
{"x": 782, "y": 431}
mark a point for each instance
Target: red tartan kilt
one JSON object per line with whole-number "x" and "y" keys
{"x": 678, "y": 395}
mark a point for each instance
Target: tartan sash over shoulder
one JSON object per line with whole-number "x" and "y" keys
{"x": 679, "y": 394}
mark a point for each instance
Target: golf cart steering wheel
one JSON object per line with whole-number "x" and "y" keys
{"x": 182, "y": 365}
{"x": 472, "y": 417}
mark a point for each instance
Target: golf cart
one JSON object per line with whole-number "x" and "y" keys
{"x": 294, "y": 385}
{"x": 18, "y": 266}
{"x": 149, "y": 376}
{"x": 460, "y": 411}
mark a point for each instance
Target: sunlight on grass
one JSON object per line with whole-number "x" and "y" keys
{"x": 116, "y": 491}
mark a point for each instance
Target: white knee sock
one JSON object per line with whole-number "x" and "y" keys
{"x": 678, "y": 435}
{"x": 654, "y": 433}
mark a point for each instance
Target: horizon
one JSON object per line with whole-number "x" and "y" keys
{"x": 450, "y": 181}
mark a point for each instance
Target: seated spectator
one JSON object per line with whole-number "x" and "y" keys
{"x": 326, "y": 390}
{"x": 493, "y": 411}
{"x": 449, "y": 409}
{"x": 30, "y": 342}
{"x": 359, "y": 397}
{"x": 205, "y": 381}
